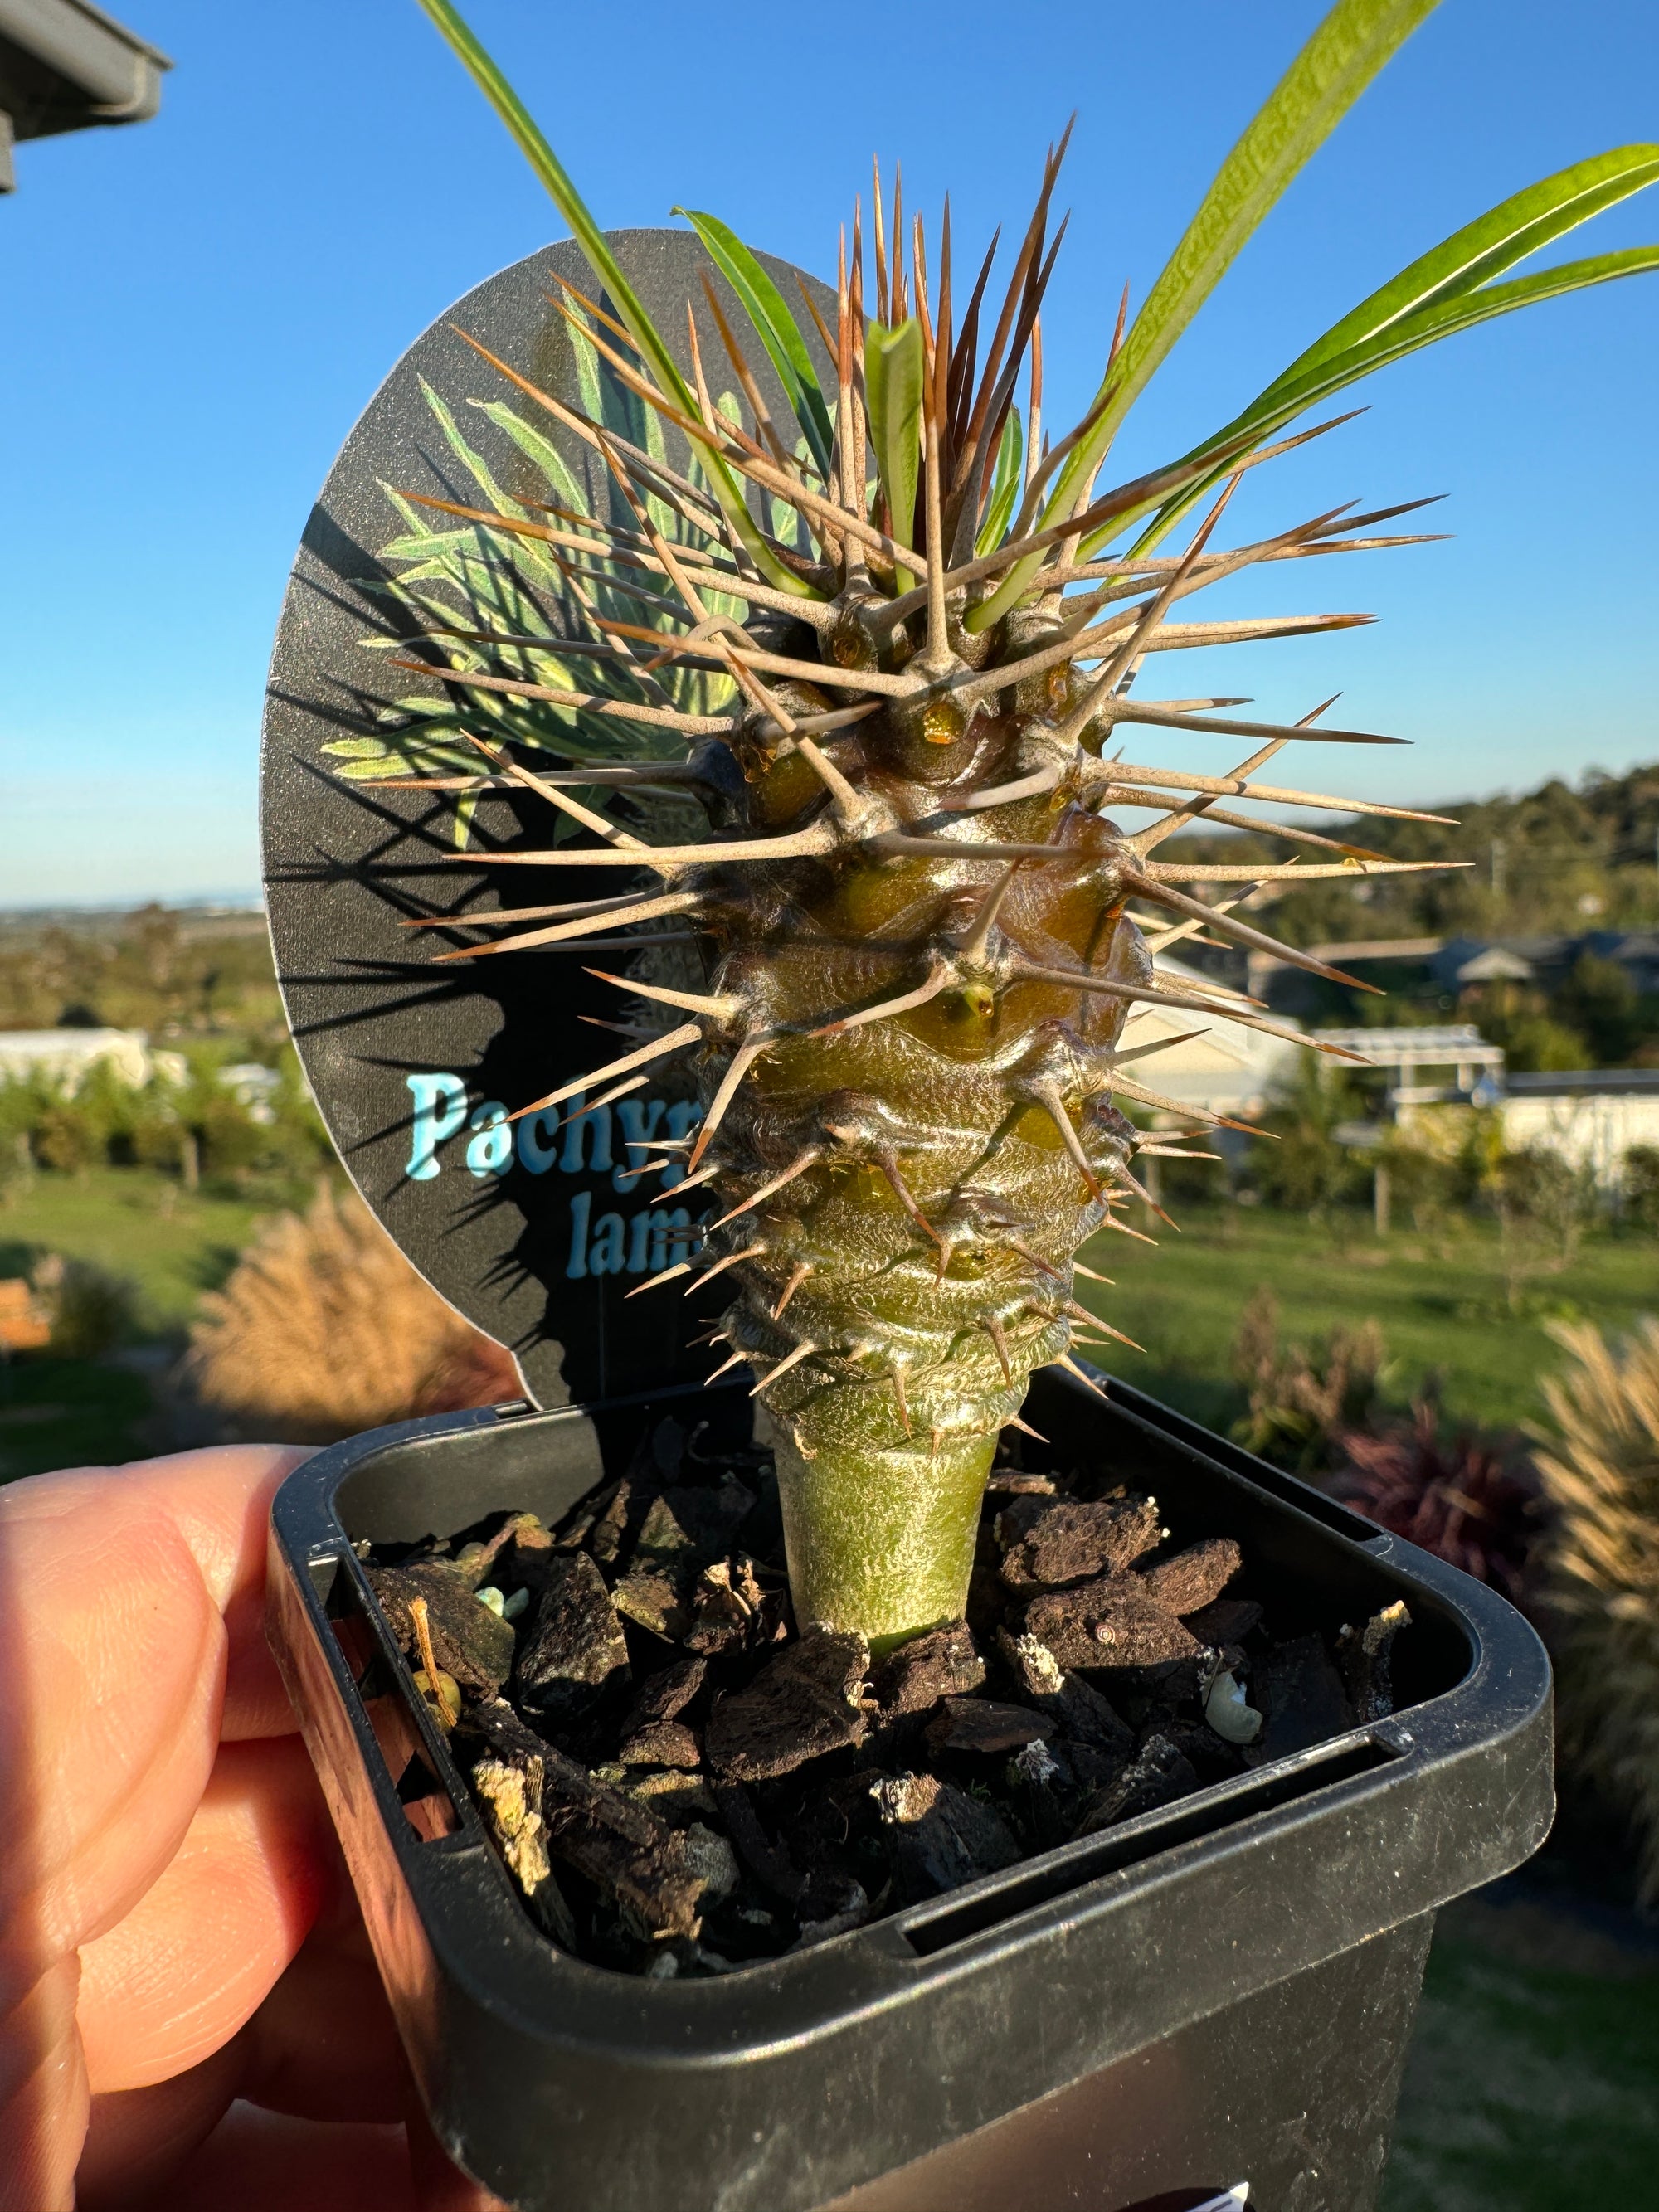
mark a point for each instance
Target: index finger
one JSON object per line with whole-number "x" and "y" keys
{"x": 130, "y": 1598}
{"x": 210, "y": 1507}
{"x": 130, "y": 1635}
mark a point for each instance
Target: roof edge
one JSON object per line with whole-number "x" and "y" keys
{"x": 116, "y": 74}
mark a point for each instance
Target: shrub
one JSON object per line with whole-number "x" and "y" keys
{"x": 235, "y": 1138}
{"x": 1307, "y": 1171}
{"x": 67, "y": 1129}
{"x": 1302, "y": 1167}
{"x": 159, "y": 1135}
{"x": 1472, "y": 1500}
{"x": 324, "y": 1328}
{"x": 1536, "y": 1045}
{"x": 1422, "y": 1181}
{"x": 1477, "y": 1153}
{"x": 1300, "y": 1396}
{"x": 1639, "y": 1192}
{"x": 90, "y": 1310}
{"x": 1538, "y": 1188}
{"x": 18, "y": 1107}
{"x": 1601, "y": 1471}
{"x": 229, "y": 1136}
{"x": 1599, "y": 1000}
{"x": 1544, "y": 1206}
{"x": 62, "y": 1138}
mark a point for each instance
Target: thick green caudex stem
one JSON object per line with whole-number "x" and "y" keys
{"x": 882, "y": 1541}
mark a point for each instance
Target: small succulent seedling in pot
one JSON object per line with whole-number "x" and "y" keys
{"x": 890, "y": 641}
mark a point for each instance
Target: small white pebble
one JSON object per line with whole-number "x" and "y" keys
{"x": 712, "y": 1858}
{"x": 1228, "y": 1712}
{"x": 1036, "y": 1764}
{"x": 491, "y": 1597}
{"x": 1041, "y": 1668}
{"x": 904, "y": 1797}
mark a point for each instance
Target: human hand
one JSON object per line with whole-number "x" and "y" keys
{"x": 189, "y": 2011}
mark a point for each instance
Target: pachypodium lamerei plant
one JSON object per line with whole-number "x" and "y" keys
{"x": 890, "y": 645}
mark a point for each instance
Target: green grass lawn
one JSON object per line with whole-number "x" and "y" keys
{"x": 70, "y": 1412}
{"x": 1532, "y": 2086}
{"x": 1440, "y": 1299}
{"x": 171, "y": 1244}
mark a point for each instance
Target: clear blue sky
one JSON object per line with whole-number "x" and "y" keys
{"x": 198, "y": 308}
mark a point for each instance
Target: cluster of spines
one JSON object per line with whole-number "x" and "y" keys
{"x": 864, "y": 677}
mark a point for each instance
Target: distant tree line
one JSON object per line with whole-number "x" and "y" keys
{"x": 168, "y": 972}
{"x": 1559, "y": 862}
{"x": 201, "y": 1130}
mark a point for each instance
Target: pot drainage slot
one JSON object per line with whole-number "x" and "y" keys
{"x": 427, "y": 1804}
{"x": 1113, "y": 1853}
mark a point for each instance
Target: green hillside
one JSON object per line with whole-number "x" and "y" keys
{"x": 1560, "y": 862}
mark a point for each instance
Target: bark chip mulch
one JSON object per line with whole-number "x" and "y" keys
{"x": 682, "y": 1780}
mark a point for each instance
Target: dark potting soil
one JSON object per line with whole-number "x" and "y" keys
{"x": 683, "y": 1780}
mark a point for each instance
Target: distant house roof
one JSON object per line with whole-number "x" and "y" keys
{"x": 63, "y": 1056}
{"x": 1378, "y": 948}
{"x": 1408, "y": 1053}
{"x": 1225, "y": 1069}
{"x": 1463, "y": 960}
{"x": 1635, "y": 949}
{"x": 65, "y": 65}
{"x": 1588, "y": 1083}
{"x": 1449, "y": 1045}
{"x": 1495, "y": 964}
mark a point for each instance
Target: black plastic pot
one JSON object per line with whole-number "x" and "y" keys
{"x": 1217, "y": 1993}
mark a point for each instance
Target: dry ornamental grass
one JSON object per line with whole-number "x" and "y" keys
{"x": 325, "y": 1329}
{"x": 1602, "y": 1472}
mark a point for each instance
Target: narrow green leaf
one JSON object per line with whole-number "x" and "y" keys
{"x": 588, "y": 385}
{"x": 1317, "y": 90}
{"x": 539, "y": 450}
{"x": 466, "y": 807}
{"x": 472, "y": 461}
{"x": 1284, "y": 400}
{"x": 1329, "y": 74}
{"x": 893, "y": 370}
{"x": 422, "y": 545}
{"x": 1441, "y": 320}
{"x": 358, "y": 748}
{"x": 551, "y": 172}
{"x": 1005, "y": 485}
{"x": 776, "y": 329}
{"x": 1483, "y": 249}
